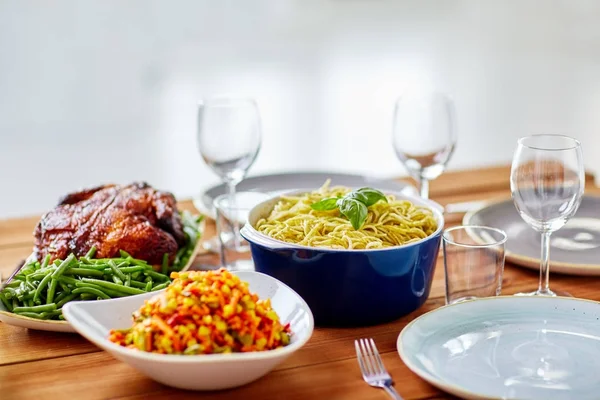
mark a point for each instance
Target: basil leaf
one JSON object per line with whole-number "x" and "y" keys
{"x": 355, "y": 211}
{"x": 372, "y": 196}
{"x": 357, "y": 196}
{"x": 327, "y": 204}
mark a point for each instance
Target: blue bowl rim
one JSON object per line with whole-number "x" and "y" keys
{"x": 255, "y": 237}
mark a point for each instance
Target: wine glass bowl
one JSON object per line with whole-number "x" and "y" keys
{"x": 229, "y": 140}
{"x": 229, "y": 136}
{"x": 547, "y": 183}
{"x": 424, "y": 135}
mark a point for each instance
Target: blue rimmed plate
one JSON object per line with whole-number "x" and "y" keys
{"x": 508, "y": 348}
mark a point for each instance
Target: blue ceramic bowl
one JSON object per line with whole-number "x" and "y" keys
{"x": 350, "y": 287}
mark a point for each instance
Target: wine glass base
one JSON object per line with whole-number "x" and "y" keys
{"x": 548, "y": 293}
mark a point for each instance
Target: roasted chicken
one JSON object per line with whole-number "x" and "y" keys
{"x": 135, "y": 218}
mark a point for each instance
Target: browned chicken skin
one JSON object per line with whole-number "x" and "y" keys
{"x": 135, "y": 218}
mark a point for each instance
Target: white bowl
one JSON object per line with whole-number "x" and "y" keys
{"x": 94, "y": 320}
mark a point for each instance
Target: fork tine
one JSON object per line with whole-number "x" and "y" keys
{"x": 377, "y": 356}
{"x": 371, "y": 367}
{"x": 374, "y": 366}
{"x": 360, "y": 357}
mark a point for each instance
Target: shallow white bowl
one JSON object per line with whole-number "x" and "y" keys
{"x": 94, "y": 320}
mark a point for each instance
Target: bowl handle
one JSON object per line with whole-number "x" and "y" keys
{"x": 252, "y": 236}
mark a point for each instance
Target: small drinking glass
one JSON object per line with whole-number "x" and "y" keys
{"x": 229, "y": 215}
{"x": 229, "y": 139}
{"x": 424, "y": 135}
{"x": 547, "y": 181}
{"x": 473, "y": 262}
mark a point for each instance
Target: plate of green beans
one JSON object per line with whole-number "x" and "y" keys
{"x": 35, "y": 295}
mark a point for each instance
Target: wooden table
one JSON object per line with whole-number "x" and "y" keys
{"x": 47, "y": 365}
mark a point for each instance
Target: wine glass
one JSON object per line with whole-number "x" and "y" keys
{"x": 424, "y": 135}
{"x": 229, "y": 140}
{"x": 547, "y": 180}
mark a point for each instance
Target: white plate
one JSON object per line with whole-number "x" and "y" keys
{"x": 508, "y": 348}
{"x": 276, "y": 184}
{"x": 10, "y": 318}
{"x": 94, "y": 320}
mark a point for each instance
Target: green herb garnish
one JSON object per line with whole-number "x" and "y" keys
{"x": 353, "y": 205}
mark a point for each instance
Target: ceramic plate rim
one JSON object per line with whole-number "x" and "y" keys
{"x": 198, "y": 202}
{"x": 450, "y": 387}
{"x": 7, "y": 317}
{"x": 206, "y": 358}
{"x": 532, "y": 262}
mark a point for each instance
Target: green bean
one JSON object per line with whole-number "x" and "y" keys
{"x": 46, "y": 261}
{"x": 111, "y": 293}
{"x": 84, "y": 272}
{"x": 90, "y": 290}
{"x": 114, "y": 286}
{"x": 63, "y": 266}
{"x": 68, "y": 280}
{"x": 41, "y": 287}
{"x": 64, "y": 287}
{"x": 12, "y": 284}
{"x": 66, "y": 299}
{"x": 165, "y": 263}
{"x": 136, "y": 275}
{"x": 15, "y": 303}
{"x": 156, "y": 275}
{"x": 61, "y": 296}
{"x": 57, "y": 262}
{"x": 124, "y": 254}
{"x": 137, "y": 284}
{"x": 33, "y": 315}
{"x": 9, "y": 292}
{"x": 136, "y": 268}
{"x": 91, "y": 252}
{"x": 128, "y": 281}
{"x": 36, "y": 309}
{"x": 117, "y": 280}
{"x": 30, "y": 285}
{"x": 6, "y": 303}
{"x": 160, "y": 286}
{"x": 148, "y": 286}
{"x": 51, "y": 291}
{"x": 116, "y": 270}
{"x": 88, "y": 296}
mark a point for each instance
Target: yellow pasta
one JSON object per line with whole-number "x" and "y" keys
{"x": 394, "y": 223}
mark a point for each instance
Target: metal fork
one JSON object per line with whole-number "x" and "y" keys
{"x": 372, "y": 368}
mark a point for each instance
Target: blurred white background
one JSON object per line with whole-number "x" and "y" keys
{"x": 106, "y": 91}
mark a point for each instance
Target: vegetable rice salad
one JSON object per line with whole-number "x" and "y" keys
{"x": 204, "y": 312}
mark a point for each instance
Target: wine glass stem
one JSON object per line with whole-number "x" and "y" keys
{"x": 424, "y": 187}
{"x": 544, "y": 287}
{"x": 233, "y": 207}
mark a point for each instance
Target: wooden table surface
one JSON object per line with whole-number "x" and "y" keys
{"x": 35, "y": 364}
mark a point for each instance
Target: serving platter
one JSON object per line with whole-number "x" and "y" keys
{"x": 574, "y": 249}
{"x": 276, "y": 184}
{"x": 508, "y": 347}
{"x": 10, "y": 318}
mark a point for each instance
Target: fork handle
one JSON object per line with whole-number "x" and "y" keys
{"x": 392, "y": 392}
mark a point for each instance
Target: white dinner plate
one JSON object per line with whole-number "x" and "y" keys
{"x": 508, "y": 348}
{"x": 10, "y": 318}
{"x": 276, "y": 184}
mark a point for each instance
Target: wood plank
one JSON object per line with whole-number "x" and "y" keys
{"x": 17, "y": 231}
{"x": 492, "y": 178}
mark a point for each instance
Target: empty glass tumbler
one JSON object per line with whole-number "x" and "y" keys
{"x": 473, "y": 262}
